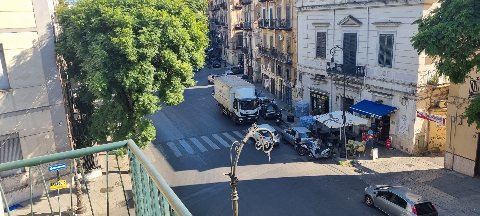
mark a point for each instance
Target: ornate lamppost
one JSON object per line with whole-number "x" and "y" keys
{"x": 264, "y": 144}
{"x": 333, "y": 67}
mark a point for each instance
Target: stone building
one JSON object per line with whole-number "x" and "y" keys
{"x": 462, "y": 152}
{"x": 225, "y": 30}
{"x": 357, "y": 56}
{"x": 32, "y": 112}
{"x": 277, "y": 47}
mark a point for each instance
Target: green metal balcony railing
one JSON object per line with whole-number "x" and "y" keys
{"x": 151, "y": 193}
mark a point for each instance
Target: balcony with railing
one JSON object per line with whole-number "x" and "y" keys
{"x": 245, "y": 2}
{"x": 238, "y": 26}
{"x": 282, "y": 24}
{"x": 334, "y": 69}
{"x": 266, "y": 23}
{"x": 275, "y": 54}
{"x": 150, "y": 193}
{"x": 247, "y": 25}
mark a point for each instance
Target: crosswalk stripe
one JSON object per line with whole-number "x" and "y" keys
{"x": 240, "y": 135}
{"x": 209, "y": 142}
{"x": 198, "y": 144}
{"x": 230, "y": 137}
{"x": 174, "y": 148}
{"x": 219, "y": 139}
{"x": 186, "y": 146}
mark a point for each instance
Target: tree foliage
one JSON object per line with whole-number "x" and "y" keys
{"x": 127, "y": 57}
{"x": 451, "y": 34}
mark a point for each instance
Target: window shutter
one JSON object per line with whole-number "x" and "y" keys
{"x": 10, "y": 150}
{"x": 321, "y": 48}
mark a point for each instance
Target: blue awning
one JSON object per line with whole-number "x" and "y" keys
{"x": 372, "y": 109}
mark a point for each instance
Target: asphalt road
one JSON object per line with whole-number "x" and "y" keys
{"x": 191, "y": 151}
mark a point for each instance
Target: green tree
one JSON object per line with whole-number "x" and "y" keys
{"x": 451, "y": 35}
{"x": 127, "y": 57}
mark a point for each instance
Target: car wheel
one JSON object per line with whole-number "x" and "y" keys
{"x": 301, "y": 151}
{"x": 368, "y": 200}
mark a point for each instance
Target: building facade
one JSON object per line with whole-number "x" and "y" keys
{"x": 249, "y": 25}
{"x": 357, "y": 56}
{"x": 225, "y": 30}
{"x": 32, "y": 113}
{"x": 277, "y": 47}
{"x": 462, "y": 152}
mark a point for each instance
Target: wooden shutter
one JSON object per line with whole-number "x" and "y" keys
{"x": 350, "y": 49}
{"x": 321, "y": 46}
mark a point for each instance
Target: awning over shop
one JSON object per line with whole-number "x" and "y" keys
{"x": 335, "y": 119}
{"x": 372, "y": 109}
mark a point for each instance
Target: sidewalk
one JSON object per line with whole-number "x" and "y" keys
{"x": 451, "y": 192}
{"x": 97, "y": 189}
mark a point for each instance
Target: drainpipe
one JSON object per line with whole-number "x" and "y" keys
{"x": 331, "y": 81}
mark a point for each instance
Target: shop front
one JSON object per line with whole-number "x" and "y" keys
{"x": 319, "y": 102}
{"x": 379, "y": 115}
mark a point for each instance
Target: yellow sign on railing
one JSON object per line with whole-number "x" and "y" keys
{"x": 57, "y": 185}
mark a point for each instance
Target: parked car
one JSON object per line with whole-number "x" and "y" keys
{"x": 270, "y": 111}
{"x": 228, "y": 72}
{"x": 211, "y": 77}
{"x": 398, "y": 200}
{"x": 276, "y": 138}
{"x": 237, "y": 70}
{"x": 216, "y": 64}
{"x": 296, "y": 135}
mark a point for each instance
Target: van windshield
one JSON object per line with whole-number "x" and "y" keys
{"x": 248, "y": 104}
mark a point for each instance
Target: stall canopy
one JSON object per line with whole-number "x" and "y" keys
{"x": 335, "y": 119}
{"x": 372, "y": 109}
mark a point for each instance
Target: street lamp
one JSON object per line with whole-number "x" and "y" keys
{"x": 339, "y": 70}
{"x": 264, "y": 144}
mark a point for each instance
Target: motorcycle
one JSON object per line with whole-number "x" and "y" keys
{"x": 316, "y": 150}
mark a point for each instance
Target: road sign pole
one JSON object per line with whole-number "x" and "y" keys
{"x": 58, "y": 194}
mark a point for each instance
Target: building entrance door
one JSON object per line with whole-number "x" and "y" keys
{"x": 477, "y": 160}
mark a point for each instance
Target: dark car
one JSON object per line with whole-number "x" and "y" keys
{"x": 237, "y": 70}
{"x": 270, "y": 111}
{"x": 216, "y": 64}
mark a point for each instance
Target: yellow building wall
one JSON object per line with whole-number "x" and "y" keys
{"x": 437, "y": 133}
{"x": 461, "y": 148}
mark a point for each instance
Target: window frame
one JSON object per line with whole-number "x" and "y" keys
{"x": 379, "y": 50}
{"x": 317, "y": 45}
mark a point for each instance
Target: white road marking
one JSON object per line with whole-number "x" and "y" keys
{"x": 210, "y": 142}
{"x": 230, "y": 137}
{"x": 186, "y": 146}
{"x": 198, "y": 144}
{"x": 240, "y": 135}
{"x": 174, "y": 148}
{"x": 219, "y": 139}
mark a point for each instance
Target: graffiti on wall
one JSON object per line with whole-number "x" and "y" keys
{"x": 403, "y": 125}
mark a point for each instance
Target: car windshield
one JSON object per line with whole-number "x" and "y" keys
{"x": 265, "y": 133}
{"x": 425, "y": 208}
{"x": 272, "y": 108}
{"x": 305, "y": 135}
{"x": 248, "y": 104}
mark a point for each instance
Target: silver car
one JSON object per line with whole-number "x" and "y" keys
{"x": 398, "y": 200}
{"x": 295, "y": 134}
{"x": 276, "y": 136}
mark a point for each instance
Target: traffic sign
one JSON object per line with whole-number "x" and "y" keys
{"x": 56, "y": 167}
{"x": 57, "y": 185}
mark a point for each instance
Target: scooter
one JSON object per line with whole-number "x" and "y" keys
{"x": 317, "y": 151}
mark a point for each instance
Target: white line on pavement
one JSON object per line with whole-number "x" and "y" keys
{"x": 174, "y": 148}
{"x": 230, "y": 137}
{"x": 238, "y": 134}
{"x": 198, "y": 144}
{"x": 210, "y": 142}
{"x": 186, "y": 146}
{"x": 219, "y": 139}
